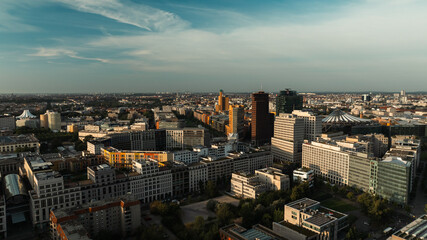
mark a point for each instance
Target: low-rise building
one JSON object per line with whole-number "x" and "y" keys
{"x": 9, "y": 144}
{"x": 413, "y": 231}
{"x": 303, "y": 175}
{"x": 246, "y": 185}
{"x": 307, "y": 214}
{"x": 273, "y": 179}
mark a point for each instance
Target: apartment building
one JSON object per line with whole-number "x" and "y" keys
{"x": 48, "y": 191}
{"x": 122, "y": 216}
{"x": 124, "y": 158}
{"x": 9, "y": 144}
{"x": 197, "y": 176}
{"x": 148, "y": 182}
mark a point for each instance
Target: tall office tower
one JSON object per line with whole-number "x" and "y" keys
{"x": 286, "y": 145}
{"x": 223, "y": 102}
{"x": 312, "y": 124}
{"x": 262, "y": 120}
{"x": 236, "y": 114}
{"x": 287, "y": 101}
{"x": 44, "y": 122}
{"x": 54, "y": 120}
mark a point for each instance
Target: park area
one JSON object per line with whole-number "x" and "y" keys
{"x": 191, "y": 211}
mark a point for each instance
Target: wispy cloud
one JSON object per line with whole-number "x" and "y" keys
{"x": 60, "y": 52}
{"x": 11, "y": 23}
{"x": 139, "y": 15}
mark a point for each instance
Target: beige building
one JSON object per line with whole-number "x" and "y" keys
{"x": 245, "y": 185}
{"x": 44, "y": 122}
{"x": 273, "y": 179}
{"x": 72, "y": 128}
{"x": 54, "y": 120}
{"x": 9, "y": 144}
{"x": 307, "y": 219}
{"x": 288, "y": 138}
{"x": 312, "y": 124}
{"x": 186, "y": 138}
{"x": 236, "y": 114}
{"x": 327, "y": 161}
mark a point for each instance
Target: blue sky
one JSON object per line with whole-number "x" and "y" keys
{"x": 187, "y": 45}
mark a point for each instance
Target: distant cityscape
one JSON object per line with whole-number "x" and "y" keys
{"x": 239, "y": 166}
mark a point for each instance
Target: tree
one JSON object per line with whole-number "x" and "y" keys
{"x": 266, "y": 220}
{"x": 350, "y": 195}
{"x": 199, "y": 225}
{"x": 211, "y": 205}
{"x": 211, "y": 190}
{"x": 224, "y": 214}
{"x": 278, "y": 215}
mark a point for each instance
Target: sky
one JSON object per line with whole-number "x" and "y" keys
{"x": 88, "y": 46}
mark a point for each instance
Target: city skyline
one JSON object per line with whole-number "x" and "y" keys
{"x": 168, "y": 46}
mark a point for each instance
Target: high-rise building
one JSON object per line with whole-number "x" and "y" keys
{"x": 262, "y": 120}
{"x": 287, "y": 101}
{"x": 312, "y": 124}
{"x": 286, "y": 145}
{"x": 54, "y": 120}
{"x": 222, "y": 102}
{"x": 44, "y": 122}
{"x": 236, "y": 115}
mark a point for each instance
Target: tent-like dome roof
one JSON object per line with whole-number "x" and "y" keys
{"x": 26, "y": 114}
{"x": 338, "y": 116}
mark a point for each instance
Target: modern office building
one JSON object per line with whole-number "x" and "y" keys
{"x": 262, "y": 120}
{"x": 390, "y": 177}
{"x": 312, "y": 124}
{"x": 327, "y": 161}
{"x": 273, "y": 179}
{"x": 236, "y": 115}
{"x": 413, "y": 231}
{"x": 304, "y": 175}
{"x": 120, "y": 216}
{"x": 54, "y": 120}
{"x": 236, "y": 162}
{"x": 236, "y": 232}
{"x": 307, "y": 219}
{"x": 187, "y": 138}
{"x": 288, "y": 101}
{"x": 286, "y": 145}
{"x": 394, "y": 179}
{"x": 44, "y": 122}
{"x": 223, "y": 102}
{"x": 246, "y": 185}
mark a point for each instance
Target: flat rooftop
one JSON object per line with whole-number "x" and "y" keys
{"x": 301, "y": 230}
{"x": 302, "y": 203}
{"x": 415, "y": 230}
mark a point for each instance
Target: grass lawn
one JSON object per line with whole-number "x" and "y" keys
{"x": 338, "y": 205}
